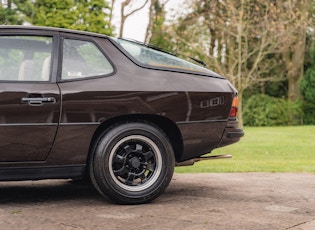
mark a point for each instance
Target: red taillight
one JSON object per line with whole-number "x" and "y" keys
{"x": 233, "y": 112}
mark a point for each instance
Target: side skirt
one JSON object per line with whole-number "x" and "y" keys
{"x": 42, "y": 172}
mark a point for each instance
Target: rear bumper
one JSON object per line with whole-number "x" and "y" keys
{"x": 237, "y": 133}
{"x": 231, "y": 134}
{"x": 200, "y": 138}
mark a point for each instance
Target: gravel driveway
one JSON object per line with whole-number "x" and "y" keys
{"x": 192, "y": 201}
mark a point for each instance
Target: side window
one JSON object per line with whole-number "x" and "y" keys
{"x": 82, "y": 59}
{"x": 25, "y": 58}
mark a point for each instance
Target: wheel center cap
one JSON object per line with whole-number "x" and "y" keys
{"x": 135, "y": 162}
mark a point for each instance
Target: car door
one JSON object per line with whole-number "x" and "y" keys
{"x": 29, "y": 99}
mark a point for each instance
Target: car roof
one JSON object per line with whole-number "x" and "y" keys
{"x": 52, "y": 29}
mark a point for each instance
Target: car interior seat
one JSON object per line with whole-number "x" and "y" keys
{"x": 27, "y": 71}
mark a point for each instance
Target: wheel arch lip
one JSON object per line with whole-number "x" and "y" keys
{"x": 169, "y": 127}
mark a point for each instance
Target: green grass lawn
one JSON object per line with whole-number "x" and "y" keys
{"x": 264, "y": 149}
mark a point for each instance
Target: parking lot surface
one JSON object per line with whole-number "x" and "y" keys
{"x": 192, "y": 201}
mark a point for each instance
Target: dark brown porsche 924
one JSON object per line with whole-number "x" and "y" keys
{"x": 75, "y": 104}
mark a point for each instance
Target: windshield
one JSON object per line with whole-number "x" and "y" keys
{"x": 150, "y": 56}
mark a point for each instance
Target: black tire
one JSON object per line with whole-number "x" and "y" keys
{"x": 132, "y": 163}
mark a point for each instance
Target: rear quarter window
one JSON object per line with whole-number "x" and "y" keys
{"x": 83, "y": 59}
{"x": 148, "y": 56}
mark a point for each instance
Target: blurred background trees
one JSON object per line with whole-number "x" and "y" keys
{"x": 259, "y": 45}
{"x": 91, "y": 15}
{"x": 265, "y": 48}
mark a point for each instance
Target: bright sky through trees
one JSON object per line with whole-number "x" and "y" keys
{"x": 136, "y": 24}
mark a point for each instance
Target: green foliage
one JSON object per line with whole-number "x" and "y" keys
{"x": 87, "y": 15}
{"x": 72, "y": 14}
{"x": 54, "y": 13}
{"x": 263, "y": 110}
{"x": 307, "y": 86}
{"x": 92, "y": 16}
{"x": 308, "y": 113}
{"x": 9, "y": 16}
{"x": 160, "y": 36}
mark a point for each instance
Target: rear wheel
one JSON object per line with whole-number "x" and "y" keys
{"x": 132, "y": 163}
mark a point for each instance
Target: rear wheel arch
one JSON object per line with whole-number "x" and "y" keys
{"x": 166, "y": 125}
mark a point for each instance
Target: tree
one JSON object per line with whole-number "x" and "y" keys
{"x": 88, "y": 15}
{"x": 156, "y": 32}
{"x": 294, "y": 49}
{"x": 53, "y": 13}
{"x": 237, "y": 38}
{"x": 9, "y": 15}
{"x": 307, "y": 86}
{"x": 126, "y": 12}
{"x": 92, "y": 16}
{"x": 234, "y": 38}
{"x": 111, "y": 11}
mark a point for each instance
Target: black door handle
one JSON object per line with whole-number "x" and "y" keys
{"x": 37, "y": 101}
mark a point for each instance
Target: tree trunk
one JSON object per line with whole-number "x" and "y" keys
{"x": 293, "y": 84}
{"x": 295, "y": 65}
{"x": 121, "y": 29}
{"x": 240, "y": 108}
{"x": 125, "y": 15}
{"x": 294, "y": 60}
{"x": 111, "y": 12}
{"x": 148, "y": 33}
{"x": 122, "y": 17}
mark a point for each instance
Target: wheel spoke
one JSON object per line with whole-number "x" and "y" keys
{"x": 119, "y": 159}
{"x": 139, "y": 148}
{"x": 128, "y": 149}
{"x": 148, "y": 155}
{"x": 143, "y": 178}
{"x": 121, "y": 171}
{"x": 130, "y": 178}
{"x": 151, "y": 167}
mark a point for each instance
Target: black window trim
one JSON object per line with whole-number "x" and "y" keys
{"x": 93, "y": 40}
